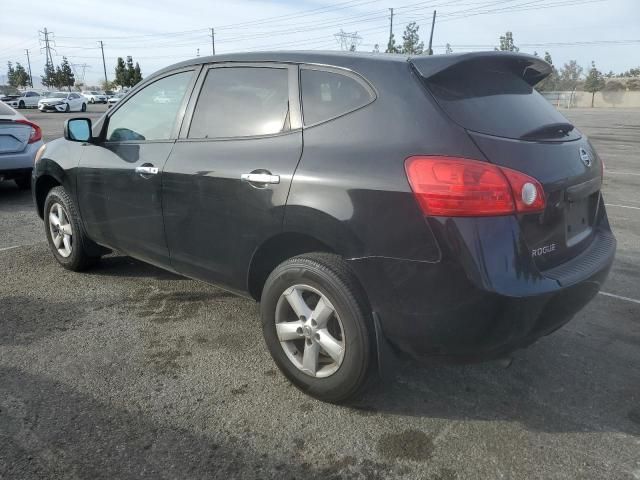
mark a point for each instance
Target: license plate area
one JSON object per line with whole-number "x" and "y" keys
{"x": 579, "y": 219}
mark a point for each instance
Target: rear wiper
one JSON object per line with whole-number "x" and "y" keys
{"x": 551, "y": 130}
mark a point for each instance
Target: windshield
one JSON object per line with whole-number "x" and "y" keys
{"x": 59, "y": 95}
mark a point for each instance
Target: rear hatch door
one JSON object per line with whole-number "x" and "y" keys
{"x": 491, "y": 95}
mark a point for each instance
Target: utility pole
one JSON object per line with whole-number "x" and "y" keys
{"x": 104, "y": 65}
{"x": 390, "y": 29}
{"x": 433, "y": 24}
{"x": 213, "y": 41}
{"x": 29, "y": 66}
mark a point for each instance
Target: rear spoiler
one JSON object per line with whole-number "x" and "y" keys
{"x": 532, "y": 69}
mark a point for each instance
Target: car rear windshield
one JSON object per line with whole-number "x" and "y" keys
{"x": 493, "y": 101}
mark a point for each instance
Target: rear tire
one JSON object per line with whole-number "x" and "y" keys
{"x": 65, "y": 237}
{"x": 92, "y": 100}
{"x": 343, "y": 338}
{"x": 83, "y": 108}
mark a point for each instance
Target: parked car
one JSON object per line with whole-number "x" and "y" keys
{"x": 94, "y": 97}
{"x": 27, "y": 99}
{"x": 20, "y": 139}
{"x": 115, "y": 99}
{"x": 63, "y": 102}
{"x": 7, "y": 98}
{"x": 432, "y": 205}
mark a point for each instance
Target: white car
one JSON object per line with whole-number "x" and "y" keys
{"x": 115, "y": 99}
{"x": 94, "y": 97}
{"x": 25, "y": 100}
{"x": 63, "y": 102}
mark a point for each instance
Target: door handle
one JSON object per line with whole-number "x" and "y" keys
{"x": 260, "y": 178}
{"x": 147, "y": 170}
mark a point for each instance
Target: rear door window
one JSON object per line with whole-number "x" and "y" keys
{"x": 242, "y": 102}
{"x": 329, "y": 94}
{"x": 493, "y": 102}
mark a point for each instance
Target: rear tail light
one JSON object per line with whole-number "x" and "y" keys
{"x": 459, "y": 187}
{"x": 36, "y": 131}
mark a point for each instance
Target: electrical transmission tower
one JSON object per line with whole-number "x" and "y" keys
{"x": 348, "y": 41}
{"x": 46, "y": 39}
{"x": 79, "y": 76}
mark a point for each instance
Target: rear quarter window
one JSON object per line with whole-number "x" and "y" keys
{"x": 329, "y": 94}
{"x": 492, "y": 101}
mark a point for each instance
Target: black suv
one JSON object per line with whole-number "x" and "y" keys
{"x": 372, "y": 204}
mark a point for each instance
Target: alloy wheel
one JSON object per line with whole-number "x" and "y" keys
{"x": 310, "y": 331}
{"x": 60, "y": 229}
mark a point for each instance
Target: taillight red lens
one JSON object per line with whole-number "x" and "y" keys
{"x": 460, "y": 187}
{"x": 36, "y": 131}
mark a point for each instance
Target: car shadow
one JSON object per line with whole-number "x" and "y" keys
{"x": 9, "y": 192}
{"x": 561, "y": 384}
{"x": 50, "y": 430}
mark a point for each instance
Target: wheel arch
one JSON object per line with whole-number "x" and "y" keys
{"x": 276, "y": 250}
{"x": 49, "y": 175}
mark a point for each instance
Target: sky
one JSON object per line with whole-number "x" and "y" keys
{"x": 157, "y": 33}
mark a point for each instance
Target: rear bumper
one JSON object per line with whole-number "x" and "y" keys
{"x": 481, "y": 301}
{"x": 21, "y": 161}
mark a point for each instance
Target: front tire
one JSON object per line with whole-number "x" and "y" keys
{"x": 83, "y": 108}
{"x": 316, "y": 324}
{"x": 21, "y": 104}
{"x": 67, "y": 108}
{"x": 92, "y": 100}
{"x": 64, "y": 232}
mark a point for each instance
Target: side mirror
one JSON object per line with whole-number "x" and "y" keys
{"x": 77, "y": 129}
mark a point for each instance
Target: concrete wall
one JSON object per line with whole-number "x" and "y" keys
{"x": 619, "y": 99}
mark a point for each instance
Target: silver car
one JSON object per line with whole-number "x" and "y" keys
{"x": 20, "y": 140}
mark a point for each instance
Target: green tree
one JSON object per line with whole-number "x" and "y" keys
{"x": 58, "y": 78}
{"x": 129, "y": 67}
{"x": 633, "y": 84}
{"x": 550, "y": 83}
{"x": 391, "y": 46}
{"x": 594, "y": 82}
{"x": 569, "y": 76}
{"x": 20, "y": 76}
{"x": 506, "y": 43}
{"x": 105, "y": 85}
{"x": 66, "y": 77}
{"x": 411, "y": 43}
{"x": 49, "y": 77}
{"x": 11, "y": 73}
{"x": 613, "y": 92}
{"x": 137, "y": 75}
{"x": 121, "y": 73}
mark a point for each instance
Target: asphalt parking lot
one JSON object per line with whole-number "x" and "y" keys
{"x": 127, "y": 371}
